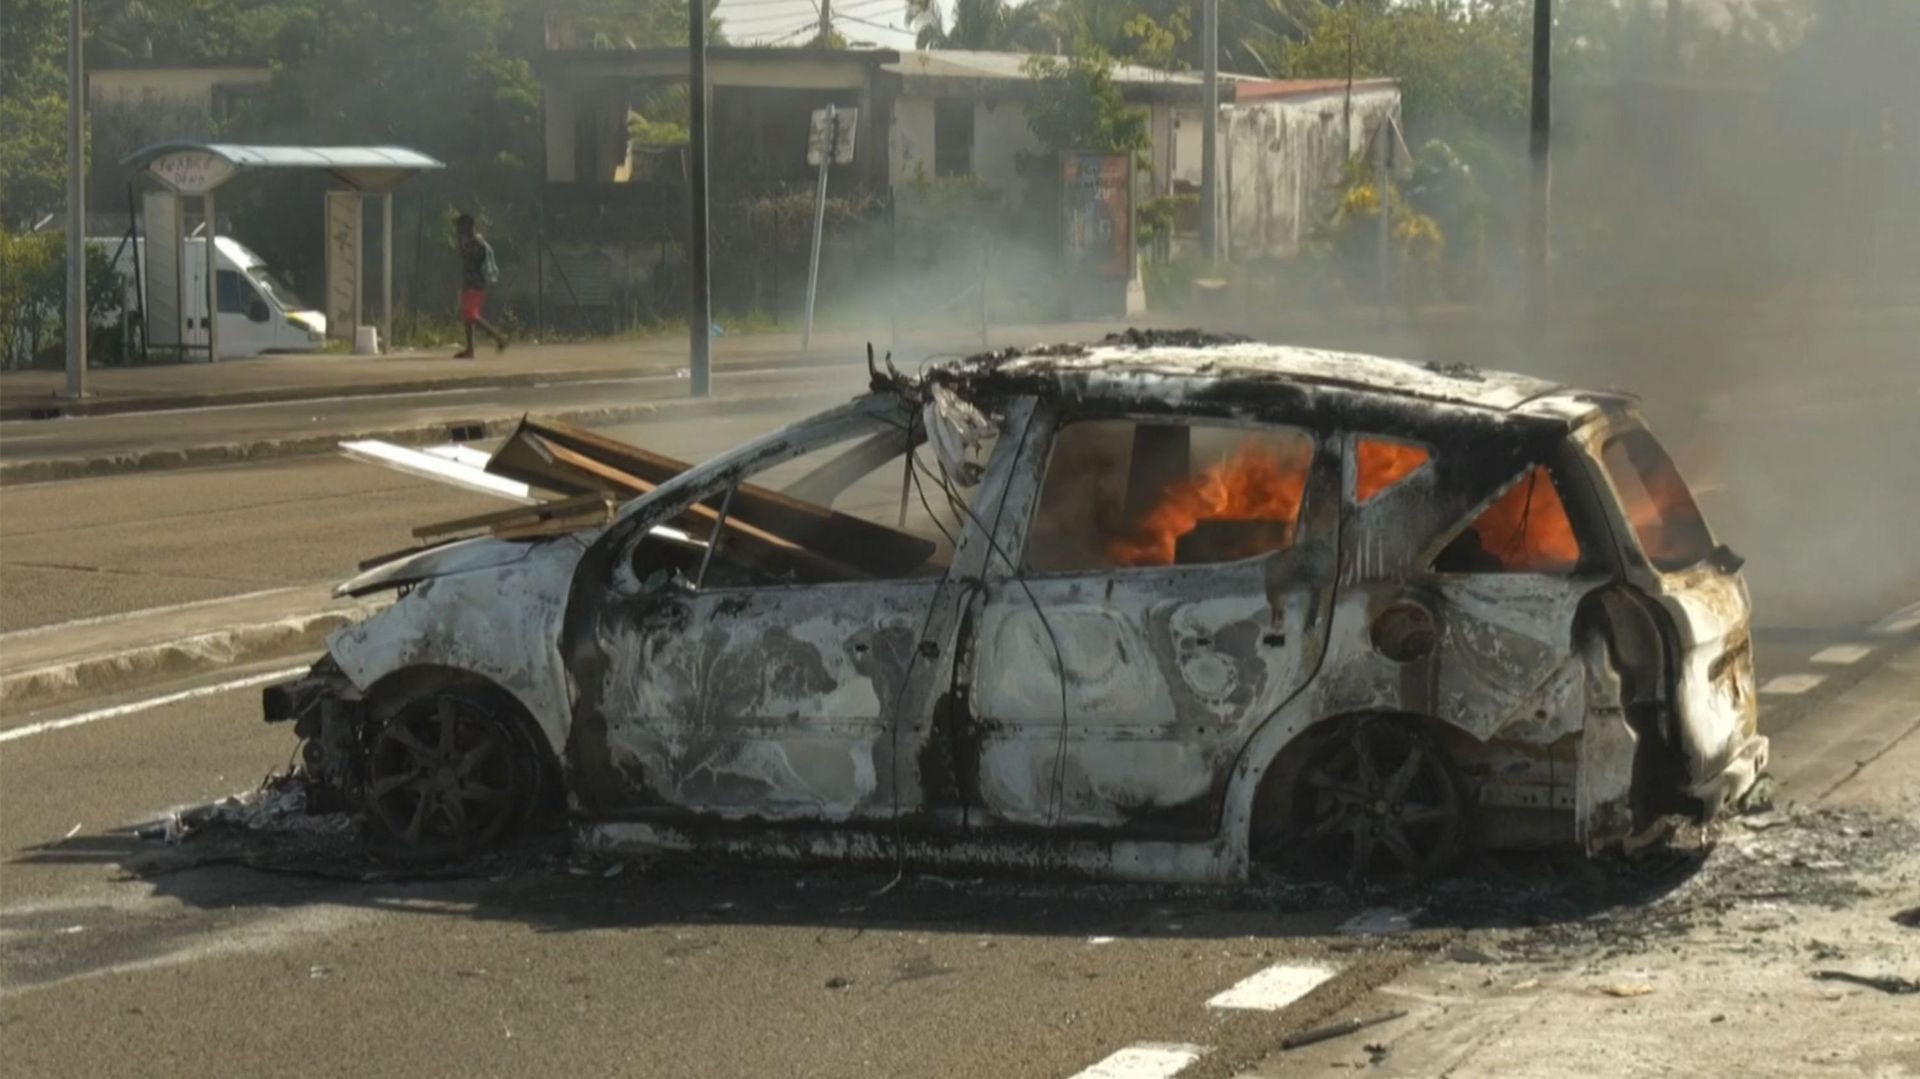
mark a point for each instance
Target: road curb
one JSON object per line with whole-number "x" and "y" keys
{"x": 47, "y": 408}
{"x": 133, "y": 668}
{"x": 21, "y": 473}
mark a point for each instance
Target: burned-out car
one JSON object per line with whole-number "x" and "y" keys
{"x": 1159, "y": 608}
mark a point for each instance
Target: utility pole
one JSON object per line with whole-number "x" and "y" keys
{"x": 76, "y": 207}
{"x": 1540, "y": 200}
{"x": 700, "y": 309}
{"x": 826, "y": 22}
{"x": 1209, "y": 132}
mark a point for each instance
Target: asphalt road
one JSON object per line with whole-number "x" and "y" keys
{"x": 295, "y": 421}
{"x": 119, "y": 955}
{"x": 125, "y": 956}
{"x": 89, "y": 547}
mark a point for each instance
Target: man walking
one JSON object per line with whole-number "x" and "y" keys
{"x": 477, "y": 271}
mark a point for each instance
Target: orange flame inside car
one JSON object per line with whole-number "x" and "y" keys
{"x": 1528, "y": 529}
{"x": 1257, "y": 483}
{"x": 1379, "y": 465}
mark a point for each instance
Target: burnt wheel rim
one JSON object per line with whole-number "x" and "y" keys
{"x": 1378, "y": 803}
{"x": 443, "y": 777}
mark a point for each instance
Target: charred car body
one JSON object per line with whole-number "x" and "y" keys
{"x": 1146, "y": 609}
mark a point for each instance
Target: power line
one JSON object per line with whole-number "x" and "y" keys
{"x": 871, "y": 23}
{"x": 763, "y": 17}
{"x": 802, "y": 29}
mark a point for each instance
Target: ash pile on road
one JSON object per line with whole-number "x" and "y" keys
{"x": 272, "y": 829}
{"x": 1795, "y": 857}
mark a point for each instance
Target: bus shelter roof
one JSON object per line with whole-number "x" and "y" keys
{"x": 369, "y": 168}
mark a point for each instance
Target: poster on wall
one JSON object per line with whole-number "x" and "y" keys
{"x": 1097, "y": 191}
{"x": 343, "y": 263}
{"x": 160, "y": 304}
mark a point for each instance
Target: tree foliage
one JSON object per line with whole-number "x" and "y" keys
{"x": 1077, "y": 106}
{"x": 1453, "y": 70}
{"x": 33, "y": 298}
{"x": 1251, "y": 31}
{"x": 987, "y": 25}
{"x": 33, "y": 110}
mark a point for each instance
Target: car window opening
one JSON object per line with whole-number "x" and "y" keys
{"x": 1381, "y": 464}
{"x": 863, "y": 508}
{"x": 1525, "y": 530}
{"x": 1121, "y": 494}
{"x": 1657, "y": 502}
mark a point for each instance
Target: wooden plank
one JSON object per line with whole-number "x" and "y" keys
{"x": 552, "y": 526}
{"x": 523, "y": 458}
{"x": 878, "y": 550}
{"x": 516, "y": 515}
{"x": 737, "y": 530}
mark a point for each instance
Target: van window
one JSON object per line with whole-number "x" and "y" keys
{"x": 235, "y": 294}
{"x": 1121, "y": 494}
{"x": 1657, "y": 501}
{"x": 1525, "y": 530}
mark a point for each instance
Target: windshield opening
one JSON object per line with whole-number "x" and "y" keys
{"x": 1657, "y": 502}
{"x": 279, "y": 291}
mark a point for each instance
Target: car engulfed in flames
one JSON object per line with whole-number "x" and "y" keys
{"x": 1164, "y": 608}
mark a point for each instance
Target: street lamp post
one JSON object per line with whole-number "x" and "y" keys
{"x": 1209, "y": 132}
{"x": 1540, "y": 194}
{"x": 76, "y": 207}
{"x": 700, "y": 314}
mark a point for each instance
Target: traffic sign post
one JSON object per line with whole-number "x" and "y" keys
{"x": 829, "y": 142}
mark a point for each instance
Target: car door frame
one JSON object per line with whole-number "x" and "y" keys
{"x": 1310, "y": 561}
{"x": 608, "y": 600}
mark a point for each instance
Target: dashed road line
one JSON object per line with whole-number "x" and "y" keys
{"x": 1273, "y": 988}
{"x": 1148, "y": 1060}
{"x": 1843, "y": 655}
{"x": 1792, "y": 685}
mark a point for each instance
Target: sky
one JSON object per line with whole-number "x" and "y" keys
{"x": 879, "y": 23}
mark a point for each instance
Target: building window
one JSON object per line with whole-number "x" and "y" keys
{"x": 953, "y": 137}
{"x": 230, "y": 99}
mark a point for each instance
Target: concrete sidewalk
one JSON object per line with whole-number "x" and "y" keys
{"x": 28, "y": 395}
{"x": 52, "y": 665}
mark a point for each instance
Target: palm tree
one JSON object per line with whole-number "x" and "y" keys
{"x": 1249, "y": 29}
{"x": 986, "y": 25}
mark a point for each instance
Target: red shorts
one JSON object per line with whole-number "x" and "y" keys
{"x": 473, "y": 304}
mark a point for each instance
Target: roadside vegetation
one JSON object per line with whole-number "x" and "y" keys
{"x": 1747, "y": 142}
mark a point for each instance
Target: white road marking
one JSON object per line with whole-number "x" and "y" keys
{"x": 1842, "y": 655}
{"x": 124, "y": 616}
{"x": 1273, "y": 988}
{"x": 1792, "y": 685}
{"x": 1900, "y": 621}
{"x": 150, "y": 703}
{"x": 1148, "y": 1060}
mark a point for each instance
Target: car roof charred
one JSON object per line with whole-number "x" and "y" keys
{"x": 1158, "y": 370}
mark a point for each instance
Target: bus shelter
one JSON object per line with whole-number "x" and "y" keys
{"x": 188, "y": 170}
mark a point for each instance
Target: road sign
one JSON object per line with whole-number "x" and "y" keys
{"x": 191, "y": 172}
{"x": 833, "y": 126}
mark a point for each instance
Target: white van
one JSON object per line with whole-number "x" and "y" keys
{"x": 258, "y": 312}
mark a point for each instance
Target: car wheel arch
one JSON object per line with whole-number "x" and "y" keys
{"x": 1263, "y": 775}
{"x": 396, "y": 690}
